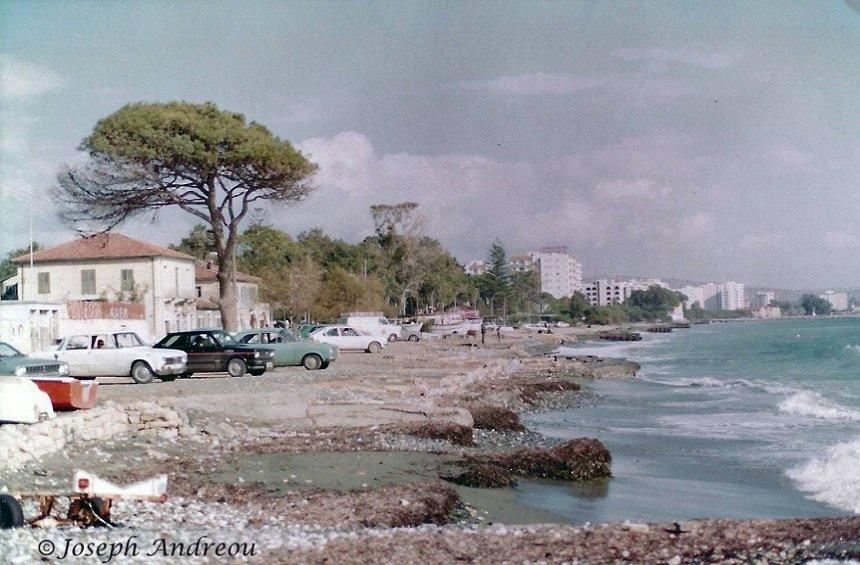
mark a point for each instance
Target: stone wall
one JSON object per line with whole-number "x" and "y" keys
{"x": 21, "y": 443}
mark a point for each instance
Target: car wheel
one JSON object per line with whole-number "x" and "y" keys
{"x": 374, "y": 347}
{"x": 393, "y": 337}
{"x": 11, "y": 513}
{"x": 312, "y": 362}
{"x": 141, "y": 372}
{"x": 236, "y": 367}
{"x": 325, "y": 364}
{"x": 413, "y": 337}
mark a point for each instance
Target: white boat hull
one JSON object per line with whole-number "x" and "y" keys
{"x": 21, "y": 402}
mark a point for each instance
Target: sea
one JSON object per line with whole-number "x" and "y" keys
{"x": 737, "y": 420}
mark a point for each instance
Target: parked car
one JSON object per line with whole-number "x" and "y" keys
{"x": 375, "y": 324}
{"x": 16, "y": 364}
{"x": 411, "y": 332}
{"x": 348, "y": 338}
{"x": 307, "y": 329}
{"x": 216, "y": 351}
{"x": 289, "y": 350}
{"x": 120, "y": 354}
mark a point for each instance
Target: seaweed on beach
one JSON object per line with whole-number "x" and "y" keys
{"x": 575, "y": 460}
{"x": 492, "y": 417}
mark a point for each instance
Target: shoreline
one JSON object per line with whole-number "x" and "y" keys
{"x": 379, "y": 470}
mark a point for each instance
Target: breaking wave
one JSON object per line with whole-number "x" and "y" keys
{"x": 853, "y": 348}
{"x": 834, "y": 478}
{"x": 812, "y": 404}
{"x": 712, "y": 382}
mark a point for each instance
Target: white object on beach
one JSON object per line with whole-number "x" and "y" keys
{"x": 91, "y": 485}
{"x": 21, "y": 402}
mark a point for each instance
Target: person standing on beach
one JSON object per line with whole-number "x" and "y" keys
{"x": 483, "y": 332}
{"x": 499, "y": 333}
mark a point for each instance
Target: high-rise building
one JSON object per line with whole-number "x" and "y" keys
{"x": 732, "y": 296}
{"x": 560, "y": 272}
{"x": 838, "y": 300}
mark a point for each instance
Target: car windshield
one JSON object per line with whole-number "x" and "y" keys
{"x": 224, "y": 338}
{"x": 7, "y": 350}
{"x": 128, "y": 339}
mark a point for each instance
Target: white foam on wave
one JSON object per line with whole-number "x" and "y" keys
{"x": 853, "y": 348}
{"x": 714, "y": 382}
{"x": 812, "y": 404}
{"x": 834, "y": 478}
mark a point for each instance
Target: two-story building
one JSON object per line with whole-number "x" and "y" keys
{"x": 253, "y": 313}
{"x": 122, "y": 283}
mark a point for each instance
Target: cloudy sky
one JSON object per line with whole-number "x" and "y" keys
{"x": 709, "y": 141}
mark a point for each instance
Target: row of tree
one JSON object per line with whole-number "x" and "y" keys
{"x": 397, "y": 270}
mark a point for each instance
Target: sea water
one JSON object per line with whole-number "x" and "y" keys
{"x": 740, "y": 420}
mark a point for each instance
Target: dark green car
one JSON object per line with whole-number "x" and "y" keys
{"x": 16, "y": 364}
{"x": 289, "y": 350}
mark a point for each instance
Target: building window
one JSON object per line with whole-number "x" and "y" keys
{"x": 44, "y": 283}
{"x": 88, "y": 281}
{"x": 199, "y": 292}
{"x": 127, "y": 280}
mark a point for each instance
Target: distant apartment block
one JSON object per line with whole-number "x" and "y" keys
{"x": 838, "y": 300}
{"x": 604, "y": 292}
{"x": 762, "y": 299}
{"x": 732, "y": 296}
{"x": 715, "y": 296}
{"x": 560, "y": 273}
{"x": 476, "y": 268}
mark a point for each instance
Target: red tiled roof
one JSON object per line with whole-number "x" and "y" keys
{"x": 208, "y": 272}
{"x": 102, "y": 246}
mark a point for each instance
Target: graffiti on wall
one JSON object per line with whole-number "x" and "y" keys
{"x": 89, "y": 310}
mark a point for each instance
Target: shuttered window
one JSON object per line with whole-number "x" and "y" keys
{"x": 88, "y": 281}
{"x": 44, "y": 283}
{"x": 127, "y": 282}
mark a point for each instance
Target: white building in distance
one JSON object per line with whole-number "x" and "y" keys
{"x": 604, "y": 292}
{"x": 560, "y": 273}
{"x": 715, "y": 296}
{"x": 838, "y": 300}
{"x": 732, "y": 296}
{"x": 476, "y": 268}
{"x": 763, "y": 299}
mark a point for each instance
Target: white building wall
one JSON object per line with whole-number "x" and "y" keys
{"x": 165, "y": 286}
{"x": 30, "y": 326}
{"x": 732, "y": 296}
{"x": 838, "y": 300}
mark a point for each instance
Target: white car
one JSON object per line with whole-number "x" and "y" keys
{"x": 376, "y": 325}
{"x": 120, "y": 354}
{"x": 348, "y": 338}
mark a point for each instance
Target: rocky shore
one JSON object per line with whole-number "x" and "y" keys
{"x": 408, "y": 454}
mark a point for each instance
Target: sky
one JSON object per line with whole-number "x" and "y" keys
{"x": 703, "y": 141}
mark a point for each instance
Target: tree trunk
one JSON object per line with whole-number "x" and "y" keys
{"x": 227, "y": 303}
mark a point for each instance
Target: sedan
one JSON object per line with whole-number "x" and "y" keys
{"x": 216, "y": 351}
{"x": 290, "y": 351}
{"x": 348, "y": 338}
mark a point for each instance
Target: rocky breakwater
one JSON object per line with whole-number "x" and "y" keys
{"x": 22, "y": 443}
